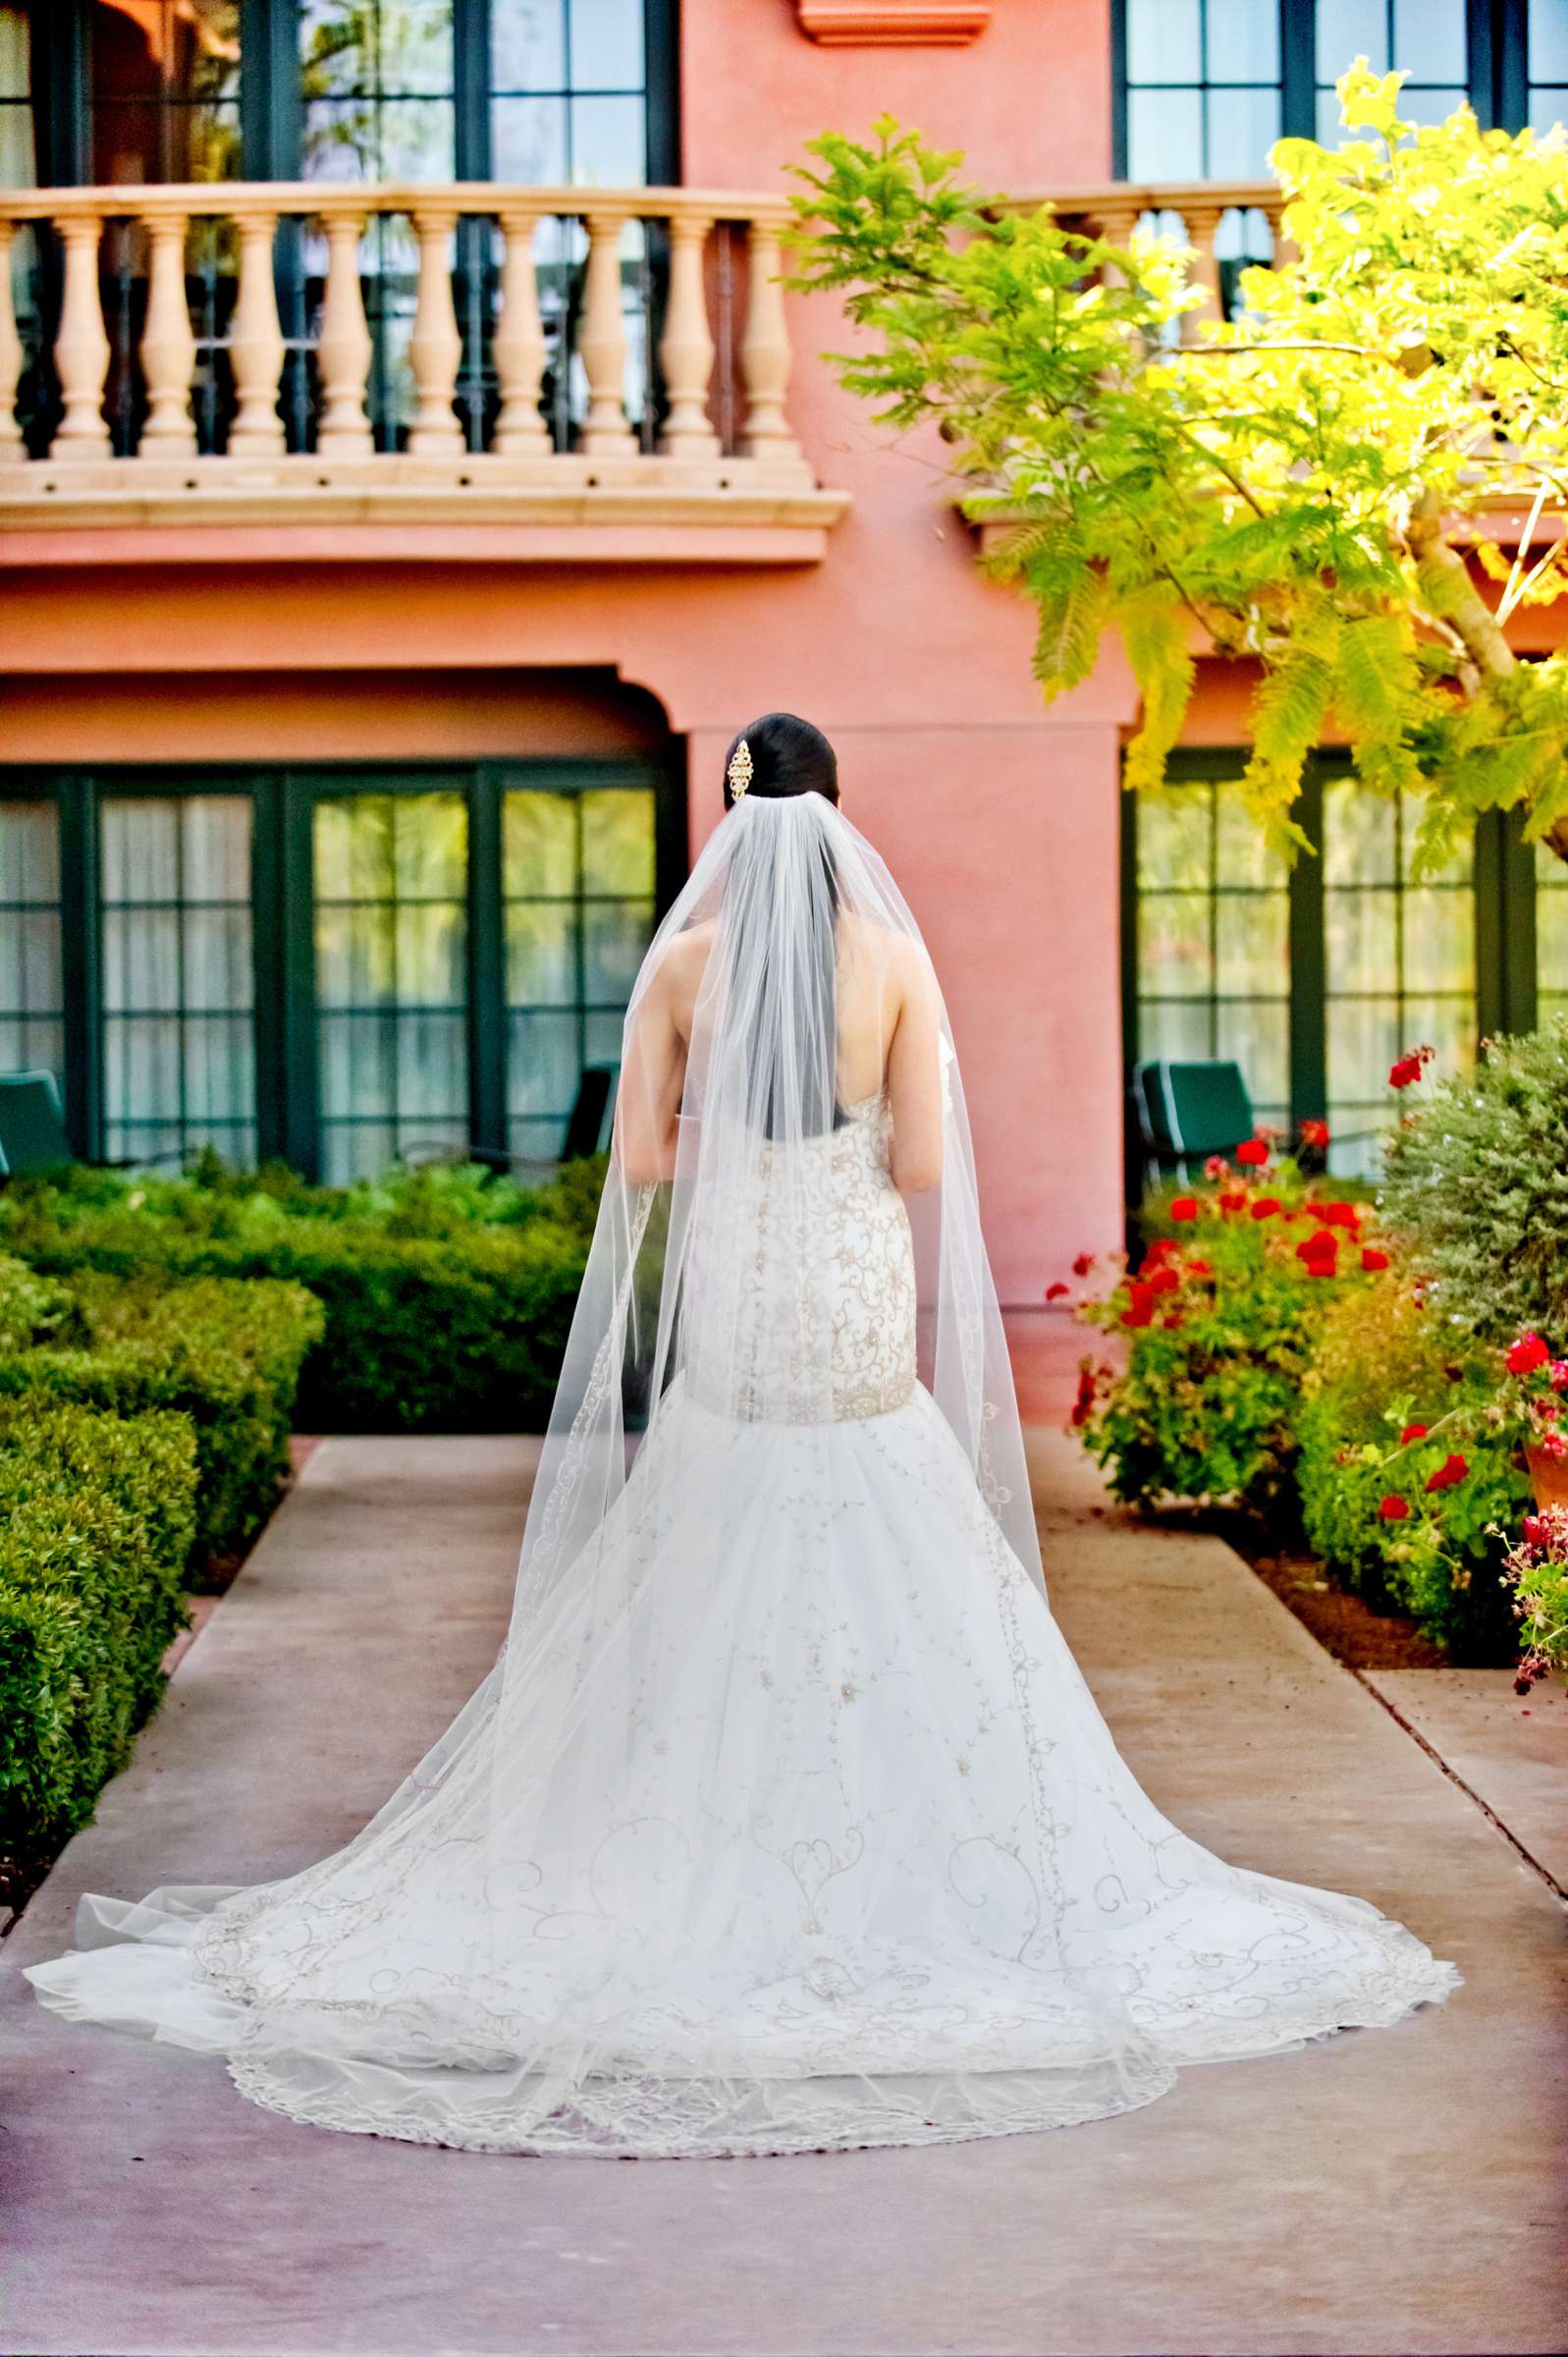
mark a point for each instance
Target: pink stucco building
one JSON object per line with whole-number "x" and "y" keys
{"x": 411, "y": 475}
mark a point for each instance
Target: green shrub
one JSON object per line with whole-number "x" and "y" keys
{"x": 97, "y": 1513}
{"x": 1387, "y": 1365}
{"x": 225, "y": 1355}
{"x": 1478, "y": 1179}
{"x": 448, "y": 1295}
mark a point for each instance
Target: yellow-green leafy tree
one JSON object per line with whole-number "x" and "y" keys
{"x": 1353, "y": 482}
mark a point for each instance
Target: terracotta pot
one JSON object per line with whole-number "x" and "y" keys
{"x": 1548, "y": 1477}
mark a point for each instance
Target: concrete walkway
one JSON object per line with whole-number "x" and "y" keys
{"x": 1386, "y": 2191}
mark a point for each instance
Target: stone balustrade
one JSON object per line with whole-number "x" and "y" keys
{"x": 1219, "y": 219}
{"x": 647, "y": 393}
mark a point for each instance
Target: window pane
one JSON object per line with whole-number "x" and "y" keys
{"x": 1348, "y": 29}
{"x": 177, "y": 975}
{"x": 1252, "y": 944}
{"x": 384, "y": 46}
{"x": 1363, "y": 1040}
{"x": 1256, "y": 1037}
{"x": 392, "y": 947}
{"x": 1549, "y": 40}
{"x": 543, "y": 1064}
{"x": 1162, "y": 40}
{"x": 541, "y": 953}
{"x": 608, "y": 143}
{"x": 607, "y": 52}
{"x": 1552, "y": 923}
{"x": 617, "y": 843}
{"x": 1440, "y": 940}
{"x": 1429, "y": 41}
{"x": 527, "y": 45}
{"x": 1243, "y": 853}
{"x": 1165, "y": 135}
{"x": 1174, "y": 955}
{"x": 31, "y": 983}
{"x": 1243, "y": 40}
{"x": 1181, "y": 1030}
{"x": 1362, "y": 831}
{"x": 528, "y": 141}
{"x": 1361, "y": 940}
{"x": 539, "y": 844}
{"x": 615, "y": 934}
{"x": 165, "y": 90}
{"x": 1175, "y": 834}
{"x": 1243, "y": 125}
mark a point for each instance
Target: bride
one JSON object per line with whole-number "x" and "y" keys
{"x": 784, "y": 1819}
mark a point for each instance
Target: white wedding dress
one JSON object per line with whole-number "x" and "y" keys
{"x": 792, "y": 1824}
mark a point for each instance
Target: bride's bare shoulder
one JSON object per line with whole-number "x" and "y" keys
{"x": 900, "y": 956}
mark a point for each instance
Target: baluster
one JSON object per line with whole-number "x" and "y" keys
{"x": 1113, "y": 224}
{"x": 602, "y": 342}
{"x": 82, "y": 345}
{"x": 168, "y": 346}
{"x": 519, "y": 344}
{"x": 342, "y": 347}
{"x": 256, "y": 343}
{"x": 11, "y": 443}
{"x": 686, "y": 350}
{"x": 765, "y": 351}
{"x": 435, "y": 348}
{"x": 1203, "y": 224}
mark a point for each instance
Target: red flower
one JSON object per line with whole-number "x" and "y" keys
{"x": 1557, "y": 1374}
{"x": 1083, "y": 1264}
{"x": 1162, "y": 1248}
{"x": 1372, "y": 1259}
{"x": 1173, "y": 1318}
{"x": 1199, "y": 1268}
{"x": 1185, "y": 1207}
{"x": 1552, "y": 1445}
{"x": 1141, "y": 1306}
{"x": 1313, "y": 1133}
{"x": 1394, "y": 1508}
{"x": 1412, "y": 1432}
{"x": 1321, "y": 1246}
{"x": 1162, "y": 1280}
{"x": 1217, "y": 1167}
{"x": 1527, "y": 1353}
{"x": 1265, "y": 1207}
{"x": 1083, "y": 1404}
{"x": 1254, "y": 1152}
{"x": 1234, "y": 1199}
{"x": 1535, "y": 1530}
{"x": 1055, "y": 1293}
{"x": 1409, "y": 1067}
{"x": 1449, "y": 1473}
{"x": 1342, "y": 1215}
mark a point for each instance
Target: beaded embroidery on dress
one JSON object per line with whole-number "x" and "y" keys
{"x": 786, "y": 1819}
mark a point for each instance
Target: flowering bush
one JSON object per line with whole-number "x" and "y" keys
{"x": 1219, "y": 1316}
{"x": 1410, "y": 1455}
{"x": 1536, "y": 1567}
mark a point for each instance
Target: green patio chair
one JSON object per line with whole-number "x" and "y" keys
{"x": 32, "y": 1129}
{"x": 1187, "y": 1112}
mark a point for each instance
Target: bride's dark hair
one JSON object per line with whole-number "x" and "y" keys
{"x": 788, "y": 757}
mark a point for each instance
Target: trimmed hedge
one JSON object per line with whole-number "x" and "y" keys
{"x": 436, "y": 1318}
{"x": 225, "y": 1355}
{"x": 97, "y": 1516}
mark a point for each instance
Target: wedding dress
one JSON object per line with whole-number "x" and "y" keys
{"x": 786, "y": 1819}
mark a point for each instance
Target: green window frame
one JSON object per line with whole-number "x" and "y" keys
{"x": 296, "y": 978}
{"x": 1380, "y": 965}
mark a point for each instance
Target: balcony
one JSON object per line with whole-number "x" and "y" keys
{"x": 546, "y": 375}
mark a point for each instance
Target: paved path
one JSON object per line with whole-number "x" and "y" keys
{"x": 1387, "y": 2191}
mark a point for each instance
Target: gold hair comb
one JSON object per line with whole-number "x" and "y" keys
{"x": 738, "y": 775}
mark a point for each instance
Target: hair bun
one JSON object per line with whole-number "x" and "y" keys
{"x": 786, "y": 756}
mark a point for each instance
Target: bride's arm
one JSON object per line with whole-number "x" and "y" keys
{"x": 914, "y": 1082}
{"x": 648, "y": 1103}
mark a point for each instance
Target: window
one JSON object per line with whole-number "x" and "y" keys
{"x": 391, "y": 935}
{"x": 1201, "y": 86}
{"x": 1399, "y": 959}
{"x": 177, "y": 979}
{"x": 32, "y": 991}
{"x": 378, "y": 89}
{"x": 1314, "y": 978}
{"x": 1203, "y": 89}
{"x": 577, "y": 880}
{"x": 1213, "y": 949}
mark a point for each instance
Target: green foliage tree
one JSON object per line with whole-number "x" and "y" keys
{"x": 1326, "y": 485}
